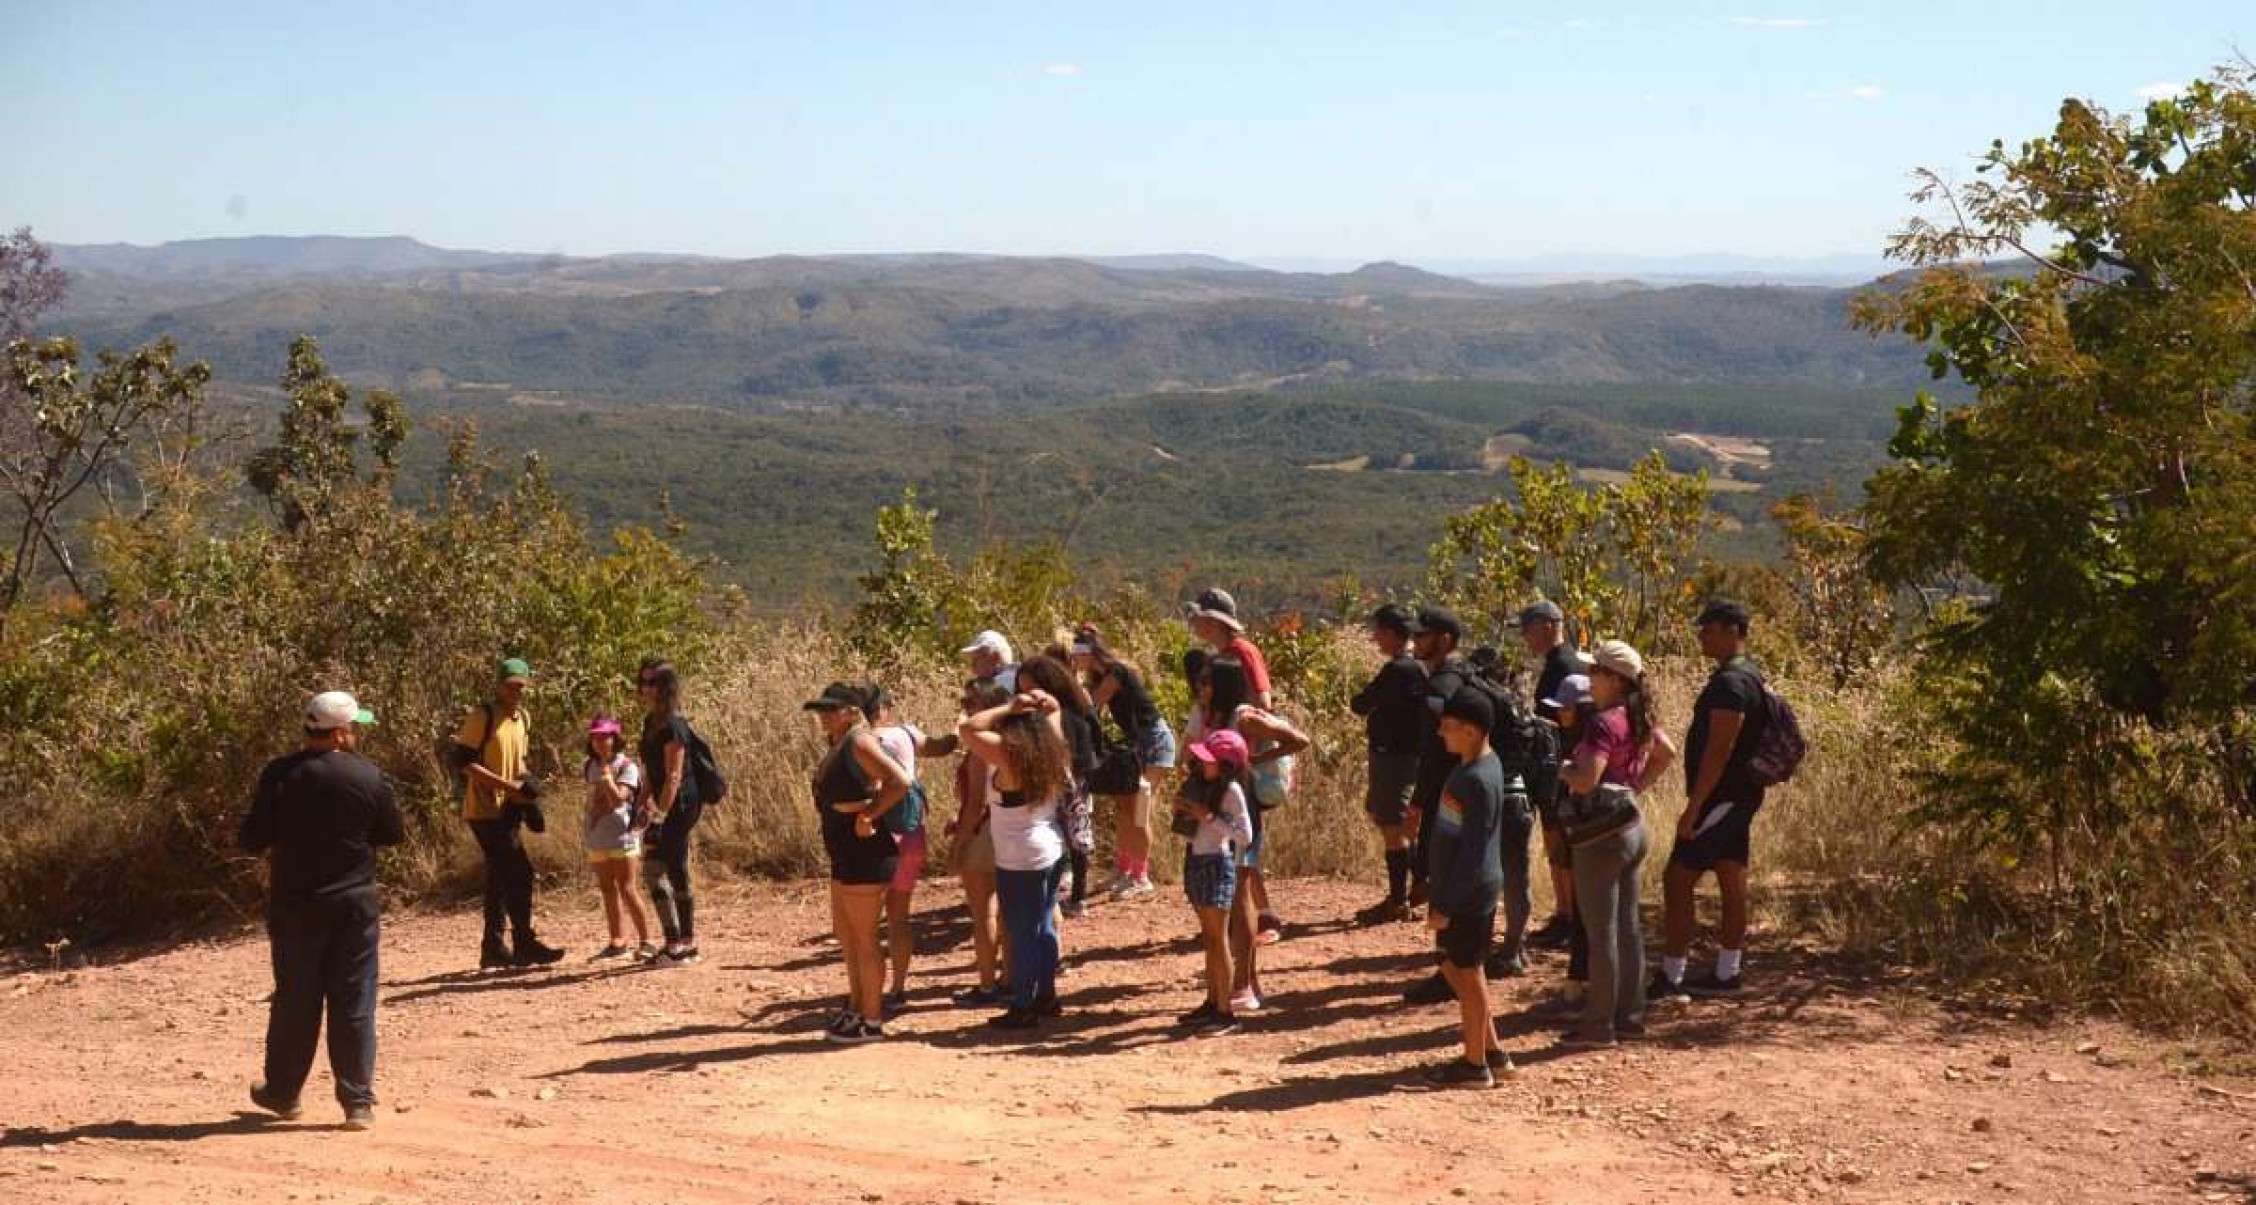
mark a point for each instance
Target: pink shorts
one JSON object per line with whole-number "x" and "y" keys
{"x": 910, "y": 867}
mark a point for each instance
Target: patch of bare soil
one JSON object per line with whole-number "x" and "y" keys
{"x": 1825, "y": 1081}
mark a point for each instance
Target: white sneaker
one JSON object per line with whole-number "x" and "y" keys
{"x": 1138, "y": 888}
{"x": 1245, "y": 1002}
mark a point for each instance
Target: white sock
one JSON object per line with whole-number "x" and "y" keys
{"x": 1727, "y": 964}
{"x": 1672, "y": 969}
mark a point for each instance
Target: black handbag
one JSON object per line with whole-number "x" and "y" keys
{"x": 1598, "y": 813}
{"x": 1119, "y": 772}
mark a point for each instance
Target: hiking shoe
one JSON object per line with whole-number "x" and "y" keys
{"x": 1556, "y": 933}
{"x": 608, "y": 953}
{"x": 857, "y": 1032}
{"x": 1500, "y": 1064}
{"x": 493, "y": 954}
{"x": 1202, "y": 1012}
{"x": 287, "y": 1110}
{"x": 681, "y": 956}
{"x": 1500, "y": 967}
{"x": 360, "y": 1117}
{"x": 531, "y": 953}
{"x": 1431, "y": 990}
{"x": 895, "y": 1001}
{"x": 1017, "y": 1018}
{"x": 1664, "y": 988}
{"x": 645, "y": 952}
{"x": 1268, "y": 930}
{"x": 980, "y": 997}
{"x": 1457, "y": 1073}
{"x": 1711, "y": 985}
{"x": 1384, "y": 912}
{"x": 1215, "y": 1026}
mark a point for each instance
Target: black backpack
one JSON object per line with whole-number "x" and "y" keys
{"x": 712, "y": 785}
{"x": 1526, "y": 744}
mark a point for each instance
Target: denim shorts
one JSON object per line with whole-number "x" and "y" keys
{"x": 1156, "y": 747}
{"x": 1250, "y": 857}
{"x": 1210, "y": 880}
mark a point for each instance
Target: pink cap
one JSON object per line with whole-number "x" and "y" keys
{"x": 1224, "y": 746}
{"x": 604, "y": 725}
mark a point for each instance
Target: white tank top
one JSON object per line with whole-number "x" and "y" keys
{"x": 1026, "y": 837}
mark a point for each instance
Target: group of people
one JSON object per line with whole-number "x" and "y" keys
{"x": 1462, "y": 770}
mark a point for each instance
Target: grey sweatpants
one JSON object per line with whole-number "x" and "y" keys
{"x": 1605, "y": 875}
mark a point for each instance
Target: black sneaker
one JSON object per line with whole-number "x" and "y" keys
{"x": 1664, "y": 988}
{"x": 287, "y": 1110}
{"x": 1500, "y": 1063}
{"x": 1711, "y": 985}
{"x": 1017, "y": 1018}
{"x": 608, "y": 953}
{"x": 1384, "y": 912}
{"x": 856, "y": 1033}
{"x": 1432, "y": 990}
{"x": 981, "y": 997}
{"x": 531, "y": 953}
{"x": 1457, "y": 1073}
{"x": 1215, "y": 1026}
{"x": 1198, "y": 1015}
{"x": 492, "y": 955}
{"x": 1048, "y": 1006}
{"x": 1501, "y": 967}
{"x": 1556, "y": 934}
{"x": 894, "y": 1002}
{"x": 360, "y": 1117}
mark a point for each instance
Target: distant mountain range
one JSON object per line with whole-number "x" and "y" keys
{"x": 931, "y": 329}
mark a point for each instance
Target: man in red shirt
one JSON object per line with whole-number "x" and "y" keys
{"x": 1214, "y": 619}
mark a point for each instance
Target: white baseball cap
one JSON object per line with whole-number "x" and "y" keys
{"x": 1617, "y": 657}
{"x": 335, "y": 709}
{"x": 989, "y": 641}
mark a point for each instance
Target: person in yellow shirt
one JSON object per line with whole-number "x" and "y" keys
{"x": 495, "y": 747}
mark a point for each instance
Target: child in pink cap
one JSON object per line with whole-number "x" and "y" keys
{"x": 613, "y": 846}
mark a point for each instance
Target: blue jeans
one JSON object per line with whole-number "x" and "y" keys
{"x": 324, "y": 961}
{"x": 1028, "y": 899}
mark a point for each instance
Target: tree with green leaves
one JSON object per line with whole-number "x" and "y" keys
{"x": 313, "y": 460}
{"x": 2100, "y": 488}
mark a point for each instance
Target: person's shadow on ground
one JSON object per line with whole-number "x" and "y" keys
{"x": 243, "y": 1122}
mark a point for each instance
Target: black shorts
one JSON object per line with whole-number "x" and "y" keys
{"x": 1393, "y": 777}
{"x": 1465, "y": 941}
{"x": 1721, "y": 837}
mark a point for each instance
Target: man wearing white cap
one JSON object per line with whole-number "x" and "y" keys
{"x": 989, "y": 654}
{"x": 319, "y": 815}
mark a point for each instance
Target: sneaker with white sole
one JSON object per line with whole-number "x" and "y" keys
{"x": 857, "y": 1033}
{"x": 1245, "y": 1002}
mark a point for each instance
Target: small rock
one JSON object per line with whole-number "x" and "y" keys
{"x": 1983, "y": 1125}
{"x": 2087, "y": 1048}
{"x": 523, "y": 1122}
{"x": 1979, "y": 1166}
{"x": 402, "y": 1106}
{"x": 546, "y": 1093}
{"x": 2001, "y": 1059}
{"x": 490, "y": 1093}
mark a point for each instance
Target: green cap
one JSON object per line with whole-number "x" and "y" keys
{"x": 515, "y": 670}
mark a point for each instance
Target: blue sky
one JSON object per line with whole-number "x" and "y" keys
{"x": 1390, "y": 129}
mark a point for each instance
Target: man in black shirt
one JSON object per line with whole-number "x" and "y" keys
{"x": 1543, "y": 632}
{"x": 319, "y": 815}
{"x": 1722, "y": 796}
{"x": 1393, "y": 707}
{"x": 1435, "y": 634}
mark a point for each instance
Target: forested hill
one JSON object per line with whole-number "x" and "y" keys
{"x": 929, "y": 330}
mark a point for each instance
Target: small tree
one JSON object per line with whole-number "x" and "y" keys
{"x": 312, "y": 461}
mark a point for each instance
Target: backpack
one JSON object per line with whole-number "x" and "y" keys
{"x": 712, "y": 785}
{"x": 1526, "y": 744}
{"x": 1780, "y": 749}
{"x": 458, "y": 758}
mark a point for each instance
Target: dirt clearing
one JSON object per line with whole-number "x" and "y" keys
{"x": 1826, "y": 1081}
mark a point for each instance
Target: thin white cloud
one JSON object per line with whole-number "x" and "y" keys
{"x": 1577, "y": 23}
{"x": 1868, "y": 92}
{"x": 1778, "y": 22}
{"x": 2160, "y": 91}
{"x": 1061, "y": 69}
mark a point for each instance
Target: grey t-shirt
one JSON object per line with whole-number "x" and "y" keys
{"x": 610, "y": 825}
{"x": 1465, "y": 869}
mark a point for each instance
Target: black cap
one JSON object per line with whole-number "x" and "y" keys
{"x": 1542, "y": 611}
{"x": 1393, "y": 618}
{"x": 1723, "y": 611}
{"x": 1437, "y": 619}
{"x": 838, "y": 696}
{"x": 1473, "y": 707}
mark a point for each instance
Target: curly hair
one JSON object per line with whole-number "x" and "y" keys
{"x": 1037, "y": 755}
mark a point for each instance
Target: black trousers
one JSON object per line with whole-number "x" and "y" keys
{"x": 509, "y": 878}
{"x": 665, "y": 871}
{"x": 324, "y": 958}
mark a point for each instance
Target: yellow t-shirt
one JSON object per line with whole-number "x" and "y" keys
{"x": 506, "y": 752}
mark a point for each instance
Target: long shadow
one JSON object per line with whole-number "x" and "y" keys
{"x": 1296, "y": 1094}
{"x": 513, "y": 983}
{"x": 243, "y": 1122}
{"x": 1137, "y": 952}
{"x": 676, "y": 1034}
{"x": 690, "y": 1060}
{"x": 468, "y": 975}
